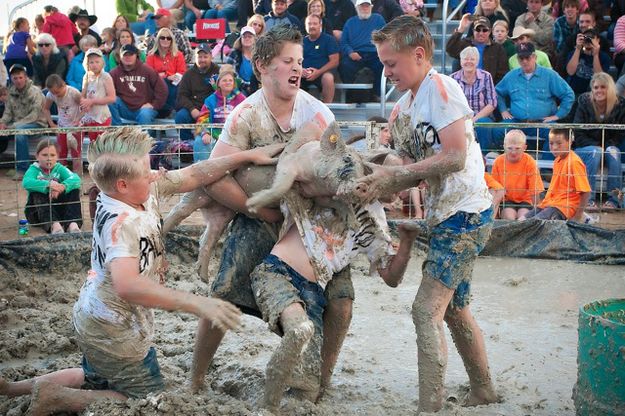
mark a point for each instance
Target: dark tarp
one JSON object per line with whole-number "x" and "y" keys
{"x": 556, "y": 240}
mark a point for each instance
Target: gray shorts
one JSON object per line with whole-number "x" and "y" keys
{"x": 134, "y": 380}
{"x": 246, "y": 246}
{"x": 277, "y": 285}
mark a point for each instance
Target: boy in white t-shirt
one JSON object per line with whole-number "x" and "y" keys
{"x": 113, "y": 316}
{"x": 431, "y": 124}
{"x": 67, "y": 100}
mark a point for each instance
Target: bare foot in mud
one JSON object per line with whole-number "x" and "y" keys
{"x": 480, "y": 396}
{"x": 43, "y": 399}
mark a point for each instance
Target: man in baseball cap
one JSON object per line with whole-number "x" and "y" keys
{"x": 194, "y": 88}
{"x": 23, "y": 110}
{"x": 523, "y": 35}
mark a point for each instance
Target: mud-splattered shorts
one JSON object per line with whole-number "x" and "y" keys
{"x": 134, "y": 380}
{"x": 277, "y": 285}
{"x": 248, "y": 243}
{"x": 454, "y": 245}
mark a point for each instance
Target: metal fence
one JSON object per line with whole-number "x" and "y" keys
{"x": 13, "y": 199}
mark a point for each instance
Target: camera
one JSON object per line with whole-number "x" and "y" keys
{"x": 588, "y": 39}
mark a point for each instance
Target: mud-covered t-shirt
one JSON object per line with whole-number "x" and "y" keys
{"x": 68, "y": 106}
{"x": 414, "y": 127}
{"x": 333, "y": 237}
{"x": 253, "y": 125}
{"x": 102, "y": 320}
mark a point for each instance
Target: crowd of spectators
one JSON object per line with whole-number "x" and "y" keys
{"x": 516, "y": 61}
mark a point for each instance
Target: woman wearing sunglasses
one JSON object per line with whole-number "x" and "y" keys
{"x": 47, "y": 60}
{"x": 168, "y": 62}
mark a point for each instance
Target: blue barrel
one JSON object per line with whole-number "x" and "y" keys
{"x": 600, "y": 387}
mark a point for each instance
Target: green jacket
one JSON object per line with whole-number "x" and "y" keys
{"x": 23, "y": 107}
{"x": 130, "y": 8}
{"x": 36, "y": 180}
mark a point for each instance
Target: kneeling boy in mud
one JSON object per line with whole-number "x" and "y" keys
{"x": 113, "y": 316}
{"x": 316, "y": 242}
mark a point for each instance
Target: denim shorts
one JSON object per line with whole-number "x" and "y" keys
{"x": 134, "y": 380}
{"x": 454, "y": 245}
{"x": 277, "y": 285}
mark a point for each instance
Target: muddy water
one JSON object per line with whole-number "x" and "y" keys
{"x": 526, "y": 309}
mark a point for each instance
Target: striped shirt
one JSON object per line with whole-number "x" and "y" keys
{"x": 481, "y": 92}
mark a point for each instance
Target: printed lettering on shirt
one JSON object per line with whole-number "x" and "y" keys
{"x": 149, "y": 249}
{"x": 101, "y": 218}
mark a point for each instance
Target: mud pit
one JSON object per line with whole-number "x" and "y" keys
{"x": 526, "y": 308}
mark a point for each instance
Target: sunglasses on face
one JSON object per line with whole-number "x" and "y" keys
{"x": 165, "y": 38}
{"x": 41, "y": 45}
{"x": 482, "y": 30}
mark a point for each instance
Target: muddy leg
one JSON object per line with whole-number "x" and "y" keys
{"x": 470, "y": 343}
{"x": 49, "y": 398}
{"x": 70, "y": 377}
{"x": 428, "y": 311}
{"x": 298, "y": 330}
{"x": 207, "y": 341}
{"x": 336, "y": 320}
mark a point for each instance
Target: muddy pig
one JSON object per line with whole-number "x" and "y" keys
{"x": 217, "y": 217}
{"x": 322, "y": 169}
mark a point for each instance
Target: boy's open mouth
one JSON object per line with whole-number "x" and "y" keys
{"x": 294, "y": 80}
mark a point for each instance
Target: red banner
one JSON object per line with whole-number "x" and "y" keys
{"x": 210, "y": 29}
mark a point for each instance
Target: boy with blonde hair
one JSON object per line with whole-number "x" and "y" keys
{"x": 569, "y": 190}
{"x": 518, "y": 172}
{"x": 432, "y": 128}
{"x": 113, "y": 316}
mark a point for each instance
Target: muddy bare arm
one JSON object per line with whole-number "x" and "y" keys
{"x": 393, "y": 274}
{"x": 228, "y": 193}
{"x": 209, "y": 171}
{"x": 145, "y": 292}
{"x": 451, "y": 158}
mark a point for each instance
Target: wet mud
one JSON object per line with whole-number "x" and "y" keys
{"x": 527, "y": 310}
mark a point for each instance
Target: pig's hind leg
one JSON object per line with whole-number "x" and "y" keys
{"x": 185, "y": 207}
{"x": 217, "y": 218}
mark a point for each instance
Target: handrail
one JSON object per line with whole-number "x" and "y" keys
{"x": 18, "y": 7}
{"x": 384, "y": 95}
{"x": 446, "y": 19}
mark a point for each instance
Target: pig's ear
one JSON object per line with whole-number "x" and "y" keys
{"x": 331, "y": 140}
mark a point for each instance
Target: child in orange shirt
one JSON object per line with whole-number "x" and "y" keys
{"x": 518, "y": 172}
{"x": 569, "y": 189}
